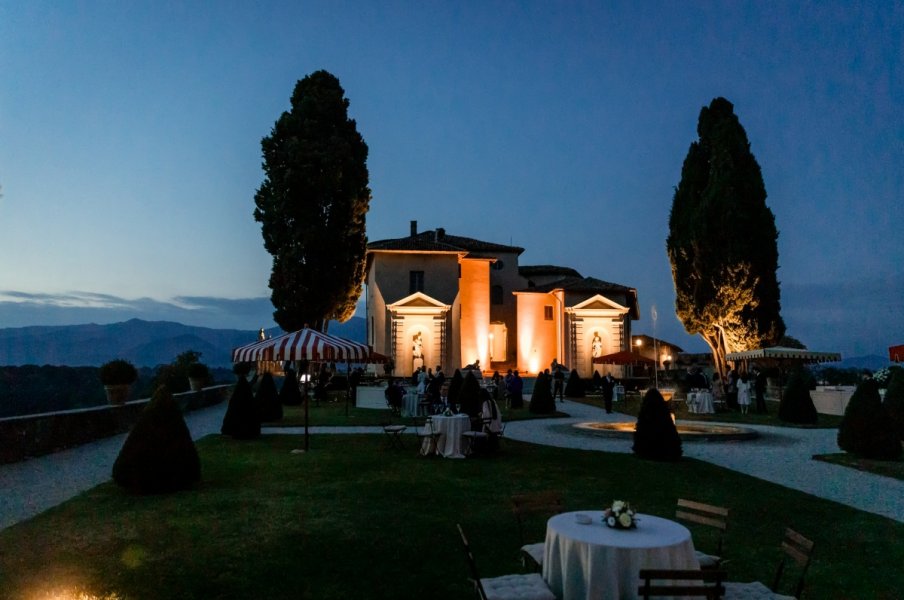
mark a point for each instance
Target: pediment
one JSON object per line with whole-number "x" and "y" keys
{"x": 418, "y": 300}
{"x": 599, "y": 302}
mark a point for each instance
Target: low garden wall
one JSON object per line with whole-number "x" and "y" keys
{"x": 36, "y": 435}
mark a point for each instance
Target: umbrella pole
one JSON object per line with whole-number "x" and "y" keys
{"x": 348, "y": 376}
{"x": 307, "y": 405}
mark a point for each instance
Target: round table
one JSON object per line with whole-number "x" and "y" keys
{"x": 448, "y": 444}
{"x": 700, "y": 402}
{"x": 595, "y": 561}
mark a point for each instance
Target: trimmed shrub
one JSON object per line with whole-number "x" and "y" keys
{"x": 455, "y": 386}
{"x": 242, "y": 419}
{"x": 894, "y": 399}
{"x": 198, "y": 370}
{"x": 118, "y": 372}
{"x": 159, "y": 455}
{"x": 469, "y": 396}
{"x": 541, "y": 401}
{"x": 267, "y": 399}
{"x": 574, "y": 388}
{"x": 797, "y": 405}
{"x": 597, "y": 381}
{"x": 241, "y": 369}
{"x": 290, "y": 395}
{"x": 866, "y": 430}
{"x": 655, "y": 435}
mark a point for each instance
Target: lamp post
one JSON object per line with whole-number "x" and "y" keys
{"x": 667, "y": 360}
{"x": 638, "y": 342}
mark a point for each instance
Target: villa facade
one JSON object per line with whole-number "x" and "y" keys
{"x": 439, "y": 299}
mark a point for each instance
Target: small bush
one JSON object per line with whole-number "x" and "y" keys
{"x": 118, "y": 372}
{"x": 159, "y": 455}
{"x": 242, "y": 419}
{"x": 469, "y": 396}
{"x": 574, "y": 388}
{"x": 455, "y": 386}
{"x": 198, "y": 370}
{"x": 797, "y": 405}
{"x": 655, "y": 435}
{"x": 290, "y": 395}
{"x": 894, "y": 399}
{"x": 267, "y": 399}
{"x": 541, "y": 401}
{"x": 866, "y": 429}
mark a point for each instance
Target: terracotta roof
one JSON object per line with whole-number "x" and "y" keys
{"x": 439, "y": 241}
{"x": 535, "y": 270}
{"x": 580, "y": 284}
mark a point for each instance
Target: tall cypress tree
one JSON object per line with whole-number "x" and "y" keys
{"x": 722, "y": 241}
{"x": 312, "y": 206}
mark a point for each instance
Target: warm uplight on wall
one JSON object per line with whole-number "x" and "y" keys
{"x": 491, "y": 347}
{"x": 534, "y": 362}
{"x": 638, "y": 342}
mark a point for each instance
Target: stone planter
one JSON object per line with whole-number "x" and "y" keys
{"x": 118, "y": 394}
{"x": 196, "y": 384}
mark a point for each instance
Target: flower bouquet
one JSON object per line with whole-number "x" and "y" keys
{"x": 620, "y": 515}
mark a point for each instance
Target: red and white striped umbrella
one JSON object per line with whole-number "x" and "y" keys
{"x": 306, "y": 344}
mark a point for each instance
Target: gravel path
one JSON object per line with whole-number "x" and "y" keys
{"x": 781, "y": 455}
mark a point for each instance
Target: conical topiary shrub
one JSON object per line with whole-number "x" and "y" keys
{"x": 242, "y": 419}
{"x": 597, "y": 381}
{"x": 894, "y": 399}
{"x": 267, "y": 399}
{"x": 469, "y": 396}
{"x": 290, "y": 395}
{"x": 455, "y": 386}
{"x": 159, "y": 455}
{"x": 866, "y": 429}
{"x": 797, "y": 405}
{"x": 655, "y": 435}
{"x": 541, "y": 401}
{"x": 574, "y": 388}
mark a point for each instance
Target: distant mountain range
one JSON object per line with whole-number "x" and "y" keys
{"x": 144, "y": 343}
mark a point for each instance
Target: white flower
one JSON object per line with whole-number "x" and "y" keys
{"x": 610, "y": 521}
{"x": 618, "y": 505}
{"x": 624, "y": 520}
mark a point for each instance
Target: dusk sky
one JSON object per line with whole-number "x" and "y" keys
{"x": 130, "y": 145}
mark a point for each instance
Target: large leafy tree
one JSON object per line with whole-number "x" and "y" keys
{"x": 722, "y": 241}
{"x": 312, "y": 206}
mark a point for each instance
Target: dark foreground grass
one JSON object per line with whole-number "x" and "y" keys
{"x": 887, "y": 468}
{"x": 352, "y": 519}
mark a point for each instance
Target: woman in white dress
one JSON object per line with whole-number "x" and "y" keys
{"x": 744, "y": 392}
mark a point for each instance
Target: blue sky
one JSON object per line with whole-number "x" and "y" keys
{"x": 130, "y": 144}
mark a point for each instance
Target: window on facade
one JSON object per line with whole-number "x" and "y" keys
{"x": 415, "y": 281}
{"x": 547, "y": 313}
{"x": 496, "y": 295}
{"x": 498, "y": 265}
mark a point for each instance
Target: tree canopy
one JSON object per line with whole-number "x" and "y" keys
{"x": 722, "y": 241}
{"x": 312, "y": 206}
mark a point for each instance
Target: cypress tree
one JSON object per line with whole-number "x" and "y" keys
{"x": 469, "y": 396}
{"x": 655, "y": 435}
{"x": 541, "y": 401}
{"x": 289, "y": 395}
{"x": 455, "y": 387}
{"x": 866, "y": 430}
{"x": 894, "y": 399}
{"x": 159, "y": 455}
{"x": 242, "y": 418}
{"x": 267, "y": 399}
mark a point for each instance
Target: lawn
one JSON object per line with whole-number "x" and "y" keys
{"x": 353, "y": 519}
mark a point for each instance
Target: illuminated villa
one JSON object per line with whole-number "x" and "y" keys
{"x": 439, "y": 299}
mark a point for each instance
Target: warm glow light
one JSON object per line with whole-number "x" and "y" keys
{"x": 638, "y": 342}
{"x": 74, "y": 594}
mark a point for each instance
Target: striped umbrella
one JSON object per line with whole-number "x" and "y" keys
{"x": 305, "y": 344}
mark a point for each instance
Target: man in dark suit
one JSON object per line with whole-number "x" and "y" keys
{"x": 608, "y": 390}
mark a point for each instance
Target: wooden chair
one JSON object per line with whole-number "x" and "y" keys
{"x": 505, "y": 587}
{"x": 426, "y": 436}
{"x": 524, "y": 506}
{"x": 710, "y": 516}
{"x": 677, "y": 583}
{"x": 793, "y": 546}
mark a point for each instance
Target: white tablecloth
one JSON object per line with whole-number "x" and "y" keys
{"x": 700, "y": 402}
{"x": 448, "y": 444}
{"x": 588, "y": 562}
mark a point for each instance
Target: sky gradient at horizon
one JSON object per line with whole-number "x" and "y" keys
{"x": 131, "y": 142}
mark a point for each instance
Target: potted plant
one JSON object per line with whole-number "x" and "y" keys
{"x": 117, "y": 376}
{"x": 198, "y": 376}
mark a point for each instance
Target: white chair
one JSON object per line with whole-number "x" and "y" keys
{"x": 528, "y": 586}
{"x": 545, "y": 504}
{"x": 795, "y": 546}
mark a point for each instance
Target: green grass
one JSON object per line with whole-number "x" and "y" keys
{"x": 888, "y": 468}
{"x": 353, "y": 519}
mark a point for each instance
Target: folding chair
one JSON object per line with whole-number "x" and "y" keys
{"x": 477, "y": 439}
{"x": 505, "y": 587}
{"x": 546, "y": 504}
{"x": 426, "y": 436}
{"x": 678, "y": 583}
{"x": 795, "y": 546}
{"x": 394, "y": 434}
{"x": 708, "y": 515}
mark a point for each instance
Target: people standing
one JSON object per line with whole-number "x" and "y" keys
{"x": 608, "y": 391}
{"x": 731, "y": 389}
{"x": 558, "y": 389}
{"x": 516, "y": 391}
{"x": 759, "y": 386}
{"x": 744, "y": 393}
{"x": 718, "y": 390}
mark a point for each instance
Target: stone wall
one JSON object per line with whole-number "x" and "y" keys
{"x": 26, "y": 436}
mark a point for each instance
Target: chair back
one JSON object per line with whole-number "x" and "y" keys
{"x": 544, "y": 503}
{"x": 708, "y": 515}
{"x": 800, "y": 550}
{"x": 678, "y": 583}
{"x": 472, "y": 564}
